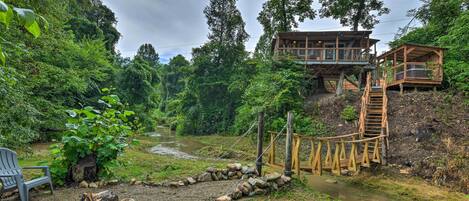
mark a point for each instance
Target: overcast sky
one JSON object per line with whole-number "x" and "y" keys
{"x": 176, "y": 26}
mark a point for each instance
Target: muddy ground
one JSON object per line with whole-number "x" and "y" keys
{"x": 429, "y": 133}
{"x": 198, "y": 192}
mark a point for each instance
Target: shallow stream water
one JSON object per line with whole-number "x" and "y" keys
{"x": 172, "y": 145}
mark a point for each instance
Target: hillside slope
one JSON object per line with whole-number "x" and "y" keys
{"x": 429, "y": 133}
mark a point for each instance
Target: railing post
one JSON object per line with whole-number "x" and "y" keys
{"x": 288, "y": 145}
{"x": 260, "y": 139}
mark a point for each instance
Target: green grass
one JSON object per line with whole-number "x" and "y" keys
{"x": 136, "y": 163}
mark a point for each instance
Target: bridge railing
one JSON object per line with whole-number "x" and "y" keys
{"x": 335, "y": 154}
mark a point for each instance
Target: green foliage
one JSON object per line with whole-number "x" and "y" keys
{"x": 446, "y": 25}
{"x": 102, "y": 133}
{"x": 280, "y": 16}
{"x": 276, "y": 89}
{"x": 354, "y": 12}
{"x": 349, "y": 113}
{"x": 207, "y": 104}
{"x": 63, "y": 68}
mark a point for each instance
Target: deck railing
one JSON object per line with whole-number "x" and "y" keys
{"x": 415, "y": 71}
{"x": 365, "y": 100}
{"x": 327, "y": 54}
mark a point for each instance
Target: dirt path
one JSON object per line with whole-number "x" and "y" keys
{"x": 197, "y": 192}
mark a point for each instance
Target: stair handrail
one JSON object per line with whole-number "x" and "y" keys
{"x": 384, "y": 121}
{"x": 365, "y": 101}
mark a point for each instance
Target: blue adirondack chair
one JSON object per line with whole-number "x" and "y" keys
{"x": 12, "y": 178}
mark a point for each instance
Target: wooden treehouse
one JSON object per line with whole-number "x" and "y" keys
{"x": 412, "y": 66}
{"x": 330, "y": 56}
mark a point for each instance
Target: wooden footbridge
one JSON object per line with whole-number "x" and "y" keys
{"x": 343, "y": 154}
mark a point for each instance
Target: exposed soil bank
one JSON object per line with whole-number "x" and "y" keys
{"x": 429, "y": 133}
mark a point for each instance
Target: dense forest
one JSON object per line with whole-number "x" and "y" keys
{"x": 220, "y": 90}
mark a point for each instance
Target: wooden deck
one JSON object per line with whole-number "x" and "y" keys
{"x": 412, "y": 65}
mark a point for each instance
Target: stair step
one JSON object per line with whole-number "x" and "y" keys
{"x": 373, "y": 127}
{"x": 373, "y": 123}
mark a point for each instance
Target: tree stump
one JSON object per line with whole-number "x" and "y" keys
{"x": 102, "y": 196}
{"x": 86, "y": 169}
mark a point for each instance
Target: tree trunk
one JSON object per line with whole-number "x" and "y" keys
{"x": 340, "y": 84}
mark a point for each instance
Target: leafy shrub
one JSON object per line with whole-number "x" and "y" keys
{"x": 349, "y": 113}
{"x": 101, "y": 133}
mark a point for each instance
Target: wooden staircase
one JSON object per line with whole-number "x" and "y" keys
{"x": 374, "y": 113}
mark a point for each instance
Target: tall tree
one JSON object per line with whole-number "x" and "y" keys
{"x": 354, "y": 13}
{"x": 207, "y": 104}
{"x": 148, "y": 53}
{"x": 281, "y": 16}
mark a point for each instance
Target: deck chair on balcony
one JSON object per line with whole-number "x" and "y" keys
{"x": 12, "y": 178}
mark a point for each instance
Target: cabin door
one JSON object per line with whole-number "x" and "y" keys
{"x": 329, "y": 51}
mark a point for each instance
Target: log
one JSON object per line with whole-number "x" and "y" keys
{"x": 101, "y": 196}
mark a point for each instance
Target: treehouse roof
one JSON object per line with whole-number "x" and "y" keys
{"x": 326, "y": 35}
{"x": 416, "y": 50}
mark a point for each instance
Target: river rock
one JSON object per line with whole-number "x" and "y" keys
{"x": 285, "y": 179}
{"x": 331, "y": 181}
{"x": 113, "y": 182}
{"x": 83, "y": 184}
{"x": 259, "y": 191}
{"x": 251, "y": 170}
{"x": 234, "y": 167}
{"x": 245, "y": 187}
{"x": 257, "y": 182}
{"x": 214, "y": 177}
{"x": 204, "y": 177}
{"x": 224, "y": 198}
{"x": 132, "y": 181}
{"x": 280, "y": 182}
{"x": 92, "y": 185}
{"x": 236, "y": 194}
{"x": 191, "y": 180}
{"x": 181, "y": 183}
{"x": 211, "y": 170}
{"x": 272, "y": 177}
{"x": 244, "y": 169}
{"x": 239, "y": 174}
{"x": 137, "y": 182}
{"x": 173, "y": 184}
{"x": 230, "y": 174}
{"x": 274, "y": 186}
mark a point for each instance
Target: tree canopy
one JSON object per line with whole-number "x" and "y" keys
{"x": 354, "y": 13}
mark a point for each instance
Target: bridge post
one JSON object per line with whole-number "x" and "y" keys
{"x": 288, "y": 145}
{"x": 260, "y": 139}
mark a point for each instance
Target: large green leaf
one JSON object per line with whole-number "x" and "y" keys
{"x": 2, "y": 57}
{"x": 5, "y": 17}
{"x": 34, "y": 29}
{"x": 3, "y": 7}
{"x": 27, "y": 16}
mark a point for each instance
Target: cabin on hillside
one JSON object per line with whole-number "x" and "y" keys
{"x": 335, "y": 59}
{"x": 412, "y": 66}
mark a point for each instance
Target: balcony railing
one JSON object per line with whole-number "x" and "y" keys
{"x": 327, "y": 54}
{"x": 415, "y": 71}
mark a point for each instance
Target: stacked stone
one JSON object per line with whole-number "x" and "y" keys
{"x": 257, "y": 186}
{"x": 231, "y": 172}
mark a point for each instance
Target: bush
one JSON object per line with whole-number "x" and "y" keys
{"x": 349, "y": 113}
{"x": 102, "y": 134}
